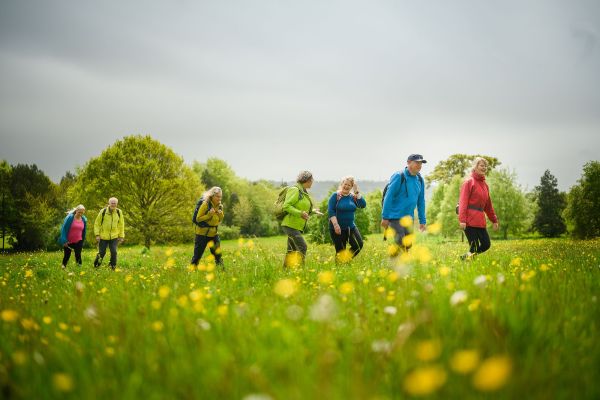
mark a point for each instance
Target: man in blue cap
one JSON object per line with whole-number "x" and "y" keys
{"x": 404, "y": 192}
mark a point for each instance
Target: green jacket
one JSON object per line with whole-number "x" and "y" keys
{"x": 212, "y": 219}
{"x": 294, "y": 208}
{"x": 113, "y": 226}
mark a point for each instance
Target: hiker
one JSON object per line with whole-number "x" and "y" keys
{"x": 405, "y": 191}
{"x": 209, "y": 216}
{"x": 298, "y": 207}
{"x": 72, "y": 234}
{"x": 341, "y": 208}
{"x": 474, "y": 203}
{"x": 109, "y": 229}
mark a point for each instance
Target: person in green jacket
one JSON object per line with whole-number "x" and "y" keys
{"x": 210, "y": 214}
{"x": 298, "y": 207}
{"x": 109, "y": 229}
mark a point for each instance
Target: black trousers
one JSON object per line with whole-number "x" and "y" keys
{"x": 478, "y": 239}
{"x": 348, "y": 235}
{"x": 76, "y": 247}
{"x": 112, "y": 245}
{"x": 200, "y": 245}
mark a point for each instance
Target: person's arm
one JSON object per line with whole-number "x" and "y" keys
{"x": 421, "y": 205}
{"x": 97, "y": 226}
{"x": 84, "y": 219}
{"x": 220, "y": 213}
{"x": 360, "y": 201}
{"x": 490, "y": 212}
{"x": 64, "y": 231}
{"x": 122, "y": 227}
{"x": 331, "y": 208}
{"x": 203, "y": 214}
{"x": 291, "y": 198}
{"x": 463, "y": 203}
{"x": 388, "y": 202}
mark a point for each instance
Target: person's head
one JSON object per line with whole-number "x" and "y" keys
{"x": 480, "y": 166}
{"x": 346, "y": 184}
{"x": 415, "y": 162}
{"x": 305, "y": 178}
{"x": 78, "y": 211}
{"x": 113, "y": 202}
{"x": 214, "y": 194}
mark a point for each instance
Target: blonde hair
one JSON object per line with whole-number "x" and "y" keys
{"x": 79, "y": 207}
{"x": 304, "y": 176}
{"x": 344, "y": 179}
{"x": 476, "y": 162}
{"x": 208, "y": 195}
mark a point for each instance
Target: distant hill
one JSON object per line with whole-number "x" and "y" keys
{"x": 320, "y": 189}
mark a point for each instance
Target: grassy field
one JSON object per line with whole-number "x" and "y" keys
{"x": 521, "y": 321}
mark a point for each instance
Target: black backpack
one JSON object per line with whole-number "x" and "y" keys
{"x": 202, "y": 224}
{"x": 402, "y": 180}
{"x": 104, "y": 213}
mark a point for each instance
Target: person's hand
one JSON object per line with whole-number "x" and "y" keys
{"x": 355, "y": 188}
{"x": 121, "y": 240}
{"x": 337, "y": 229}
{"x": 422, "y": 227}
{"x": 495, "y": 226}
{"x": 305, "y": 215}
{"x": 97, "y": 238}
{"x": 66, "y": 245}
{"x": 385, "y": 223}
{"x": 463, "y": 225}
{"x": 317, "y": 211}
{"x": 212, "y": 210}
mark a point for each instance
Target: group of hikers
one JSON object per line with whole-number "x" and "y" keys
{"x": 404, "y": 192}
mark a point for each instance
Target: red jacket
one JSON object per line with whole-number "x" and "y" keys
{"x": 474, "y": 201}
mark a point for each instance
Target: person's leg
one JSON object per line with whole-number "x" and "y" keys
{"x": 484, "y": 240}
{"x": 215, "y": 250}
{"x": 400, "y": 233}
{"x": 295, "y": 245}
{"x": 338, "y": 240}
{"x": 66, "y": 256}
{"x": 200, "y": 243}
{"x": 78, "y": 247}
{"x": 472, "y": 238}
{"x": 101, "y": 252}
{"x": 356, "y": 241}
{"x": 112, "y": 245}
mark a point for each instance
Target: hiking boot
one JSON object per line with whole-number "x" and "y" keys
{"x": 112, "y": 267}
{"x": 63, "y": 266}
{"x": 97, "y": 261}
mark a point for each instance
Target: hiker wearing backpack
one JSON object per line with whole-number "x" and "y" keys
{"x": 296, "y": 208}
{"x": 109, "y": 229}
{"x": 207, "y": 217}
{"x": 404, "y": 192}
{"x": 72, "y": 234}
{"x": 473, "y": 205}
{"x": 341, "y": 208}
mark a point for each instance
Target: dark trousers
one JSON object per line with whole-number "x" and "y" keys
{"x": 348, "y": 235}
{"x": 200, "y": 245}
{"x": 68, "y": 250}
{"x": 112, "y": 245}
{"x": 478, "y": 239}
{"x": 295, "y": 244}
{"x": 400, "y": 232}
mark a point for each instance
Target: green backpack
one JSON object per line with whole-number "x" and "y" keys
{"x": 279, "y": 212}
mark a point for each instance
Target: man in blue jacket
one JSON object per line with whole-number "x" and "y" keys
{"x": 405, "y": 191}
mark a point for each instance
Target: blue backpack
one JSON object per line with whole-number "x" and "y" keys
{"x": 402, "y": 181}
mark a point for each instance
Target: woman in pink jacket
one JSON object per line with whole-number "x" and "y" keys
{"x": 474, "y": 204}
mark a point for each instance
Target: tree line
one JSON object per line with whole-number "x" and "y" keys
{"x": 158, "y": 192}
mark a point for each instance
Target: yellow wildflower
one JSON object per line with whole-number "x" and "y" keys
{"x": 464, "y": 361}
{"x": 493, "y": 373}
{"x": 424, "y": 381}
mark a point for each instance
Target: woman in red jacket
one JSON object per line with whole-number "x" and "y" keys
{"x": 474, "y": 204}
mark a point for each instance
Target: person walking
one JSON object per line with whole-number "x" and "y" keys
{"x": 109, "y": 229}
{"x": 342, "y": 206}
{"x": 72, "y": 234}
{"x": 209, "y": 216}
{"x": 298, "y": 207}
{"x": 405, "y": 191}
{"x": 473, "y": 205}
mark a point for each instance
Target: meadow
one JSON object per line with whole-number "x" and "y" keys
{"x": 521, "y": 321}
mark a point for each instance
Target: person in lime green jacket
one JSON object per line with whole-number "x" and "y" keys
{"x": 298, "y": 208}
{"x": 109, "y": 229}
{"x": 209, "y": 216}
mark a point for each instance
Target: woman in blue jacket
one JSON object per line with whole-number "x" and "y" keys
{"x": 342, "y": 206}
{"x": 72, "y": 234}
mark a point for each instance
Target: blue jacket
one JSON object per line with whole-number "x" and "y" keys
{"x": 345, "y": 209}
{"x": 66, "y": 227}
{"x": 402, "y": 197}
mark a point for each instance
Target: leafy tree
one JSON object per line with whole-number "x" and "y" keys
{"x": 434, "y": 205}
{"x": 583, "y": 203}
{"x": 35, "y": 215}
{"x": 511, "y": 205}
{"x": 7, "y": 211}
{"x": 447, "y": 210}
{"x": 550, "y": 204}
{"x": 373, "y": 211}
{"x": 456, "y": 164}
{"x": 156, "y": 190}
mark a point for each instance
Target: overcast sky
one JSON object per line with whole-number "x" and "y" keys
{"x": 273, "y": 87}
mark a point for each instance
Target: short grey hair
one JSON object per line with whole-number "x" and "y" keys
{"x": 304, "y": 176}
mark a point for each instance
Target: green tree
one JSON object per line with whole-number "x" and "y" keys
{"x": 434, "y": 205}
{"x": 583, "y": 203}
{"x": 447, "y": 211}
{"x": 373, "y": 211}
{"x": 550, "y": 204}
{"x": 7, "y": 206}
{"x": 510, "y": 203}
{"x": 156, "y": 190}
{"x": 456, "y": 164}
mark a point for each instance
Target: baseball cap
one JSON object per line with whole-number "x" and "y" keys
{"x": 416, "y": 157}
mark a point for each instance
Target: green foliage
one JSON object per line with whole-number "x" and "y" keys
{"x": 156, "y": 190}
{"x": 550, "y": 204}
{"x": 583, "y": 203}
{"x": 513, "y": 209}
{"x": 434, "y": 205}
{"x": 447, "y": 215}
{"x": 373, "y": 211}
{"x": 456, "y": 164}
